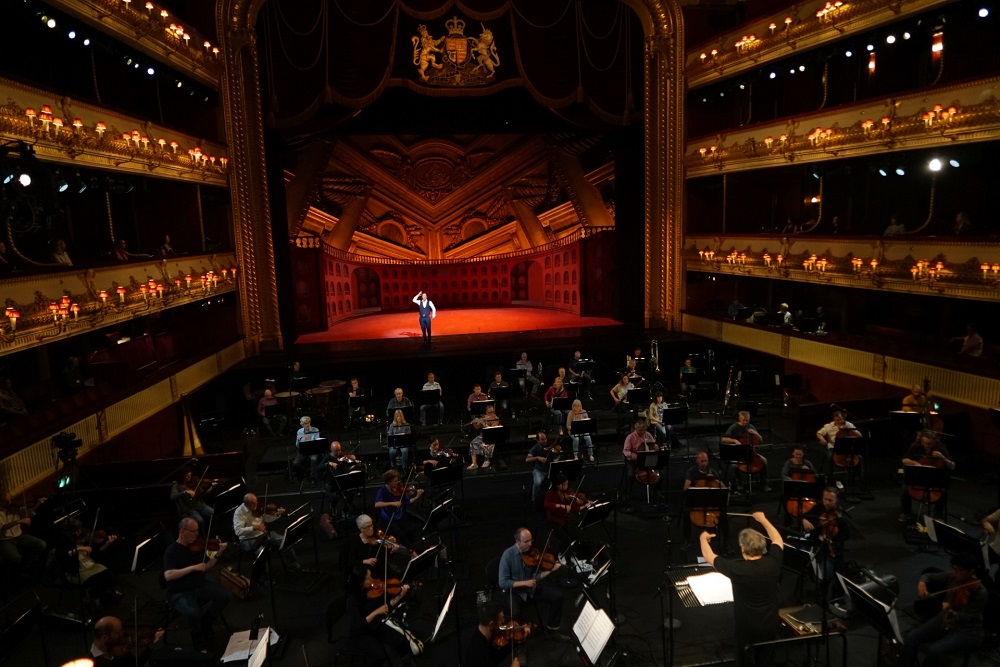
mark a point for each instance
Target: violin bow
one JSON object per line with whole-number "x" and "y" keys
{"x": 576, "y": 492}
{"x": 200, "y": 479}
{"x": 204, "y": 557}
{"x": 541, "y": 554}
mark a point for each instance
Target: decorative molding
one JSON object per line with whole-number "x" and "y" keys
{"x": 804, "y": 26}
{"x": 33, "y": 463}
{"x": 967, "y": 112}
{"x": 974, "y": 390}
{"x": 146, "y": 30}
{"x": 67, "y": 131}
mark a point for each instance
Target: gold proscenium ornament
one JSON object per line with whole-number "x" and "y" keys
{"x": 455, "y": 60}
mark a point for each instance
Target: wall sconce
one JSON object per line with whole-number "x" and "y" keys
{"x": 121, "y": 295}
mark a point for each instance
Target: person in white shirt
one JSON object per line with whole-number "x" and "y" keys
{"x": 427, "y": 312}
{"x": 828, "y": 436}
{"x": 432, "y": 385}
{"x": 305, "y": 465}
{"x": 529, "y": 378}
{"x": 252, "y": 530}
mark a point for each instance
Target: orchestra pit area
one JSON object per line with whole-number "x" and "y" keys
{"x": 632, "y": 557}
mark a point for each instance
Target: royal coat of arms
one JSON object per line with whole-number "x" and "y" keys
{"x": 455, "y": 59}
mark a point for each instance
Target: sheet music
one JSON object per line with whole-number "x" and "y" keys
{"x": 240, "y": 646}
{"x": 138, "y": 548}
{"x": 593, "y": 629}
{"x": 711, "y": 588}
{"x": 259, "y": 655}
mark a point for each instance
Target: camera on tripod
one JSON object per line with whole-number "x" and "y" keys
{"x": 68, "y": 445}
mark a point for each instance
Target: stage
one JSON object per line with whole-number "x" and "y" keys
{"x": 461, "y": 321}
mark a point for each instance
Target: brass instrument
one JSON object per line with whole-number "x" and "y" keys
{"x": 654, "y": 355}
{"x": 729, "y": 388}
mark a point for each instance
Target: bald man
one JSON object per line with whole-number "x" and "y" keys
{"x": 189, "y": 592}
{"x": 252, "y": 530}
{"x": 108, "y": 646}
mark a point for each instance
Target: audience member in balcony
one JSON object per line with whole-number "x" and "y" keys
{"x": 10, "y": 402}
{"x": 59, "y": 254}
{"x": 734, "y": 309}
{"x": 273, "y": 419}
{"x": 895, "y": 227}
{"x": 785, "y": 314}
{"x": 166, "y": 248}
{"x": 963, "y": 225}
{"x": 972, "y": 342}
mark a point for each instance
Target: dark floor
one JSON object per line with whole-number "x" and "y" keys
{"x": 491, "y": 504}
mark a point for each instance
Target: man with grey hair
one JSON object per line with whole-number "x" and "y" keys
{"x": 755, "y": 585}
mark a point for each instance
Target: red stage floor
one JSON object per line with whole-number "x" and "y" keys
{"x": 400, "y": 326}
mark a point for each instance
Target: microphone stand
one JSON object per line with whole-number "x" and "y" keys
{"x": 665, "y": 590}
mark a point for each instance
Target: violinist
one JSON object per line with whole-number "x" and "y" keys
{"x": 828, "y": 436}
{"x": 189, "y": 497}
{"x": 797, "y": 463}
{"x": 519, "y": 583}
{"x": 745, "y": 433}
{"x": 926, "y": 450}
{"x": 561, "y": 505}
{"x": 990, "y": 523}
{"x": 188, "y": 589}
{"x": 250, "y": 525}
{"x": 399, "y": 426}
{"x": 539, "y": 456}
{"x": 85, "y": 551}
{"x": 111, "y": 646}
{"x": 393, "y": 504}
{"x": 438, "y": 457}
{"x": 828, "y": 530}
{"x": 556, "y": 390}
{"x": 369, "y": 632}
{"x": 17, "y": 548}
{"x": 337, "y": 462}
{"x": 368, "y": 549}
{"x": 479, "y": 649}
{"x": 577, "y": 413}
{"x": 957, "y": 630}
{"x": 476, "y": 447}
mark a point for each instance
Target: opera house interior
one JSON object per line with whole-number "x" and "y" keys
{"x": 651, "y": 258}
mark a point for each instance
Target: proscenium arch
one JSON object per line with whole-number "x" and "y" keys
{"x": 663, "y": 81}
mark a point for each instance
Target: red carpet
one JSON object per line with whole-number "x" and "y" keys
{"x": 399, "y": 326}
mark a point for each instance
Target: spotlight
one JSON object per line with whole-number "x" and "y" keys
{"x": 900, "y": 171}
{"x": 150, "y": 71}
{"x": 81, "y": 185}
{"x": 890, "y": 39}
{"x": 906, "y": 35}
{"x": 870, "y": 47}
{"x": 51, "y": 23}
{"x": 791, "y": 71}
{"x": 773, "y": 75}
{"x": 179, "y": 84}
{"x": 815, "y": 175}
{"x": 954, "y": 163}
{"x": 721, "y": 94}
{"x": 136, "y": 65}
{"x": 742, "y": 87}
{"x": 882, "y": 172}
{"x": 71, "y": 34}
{"x": 704, "y": 100}
{"x": 128, "y": 61}
{"x": 24, "y": 179}
{"x": 934, "y": 165}
{"x": 848, "y": 53}
{"x": 61, "y": 184}
{"x": 86, "y": 42}
{"x": 983, "y": 12}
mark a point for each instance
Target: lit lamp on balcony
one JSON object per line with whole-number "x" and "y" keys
{"x": 233, "y": 271}
{"x": 177, "y": 284}
{"x": 77, "y": 125}
{"x": 54, "y": 309}
{"x": 767, "y": 260}
{"x": 159, "y": 292}
{"x": 75, "y": 309}
{"x": 996, "y": 269}
{"x": 121, "y": 294}
{"x": 187, "y": 279}
{"x": 100, "y": 128}
{"x": 12, "y": 315}
{"x": 874, "y": 265}
{"x": 32, "y": 115}
{"x": 103, "y": 296}
{"x": 856, "y": 264}
{"x": 914, "y": 270}
{"x": 64, "y": 302}
{"x": 144, "y": 291}
{"x": 173, "y": 147}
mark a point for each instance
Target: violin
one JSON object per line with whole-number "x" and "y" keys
{"x": 829, "y": 528}
{"x": 211, "y": 546}
{"x": 399, "y": 489}
{"x": 756, "y": 464}
{"x": 958, "y": 598}
{"x": 539, "y": 560}
{"x": 389, "y": 540}
{"x": 798, "y": 506}
{"x": 390, "y": 587}
{"x": 509, "y": 633}
{"x": 268, "y": 510}
{"x": 144, "y": 637}
{"x": 702, "y": 516}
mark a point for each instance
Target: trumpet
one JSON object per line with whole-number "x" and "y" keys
{"x": 654, "y": 354}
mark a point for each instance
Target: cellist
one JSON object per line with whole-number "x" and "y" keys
{"x": 827, "y": 435}
{"x": 745, "y": 433}
{"x": 926, "y": 450}
{"x": 700, "y": 474}
{"x": 639, "y": 440}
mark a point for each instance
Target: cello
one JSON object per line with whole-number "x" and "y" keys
{"x": 798, "y": 507}
{"x": 752, "y": 439}
{"x": 648, "y": 476}
{"x": 704, "y": 517}
{"x": 845, "y": 460}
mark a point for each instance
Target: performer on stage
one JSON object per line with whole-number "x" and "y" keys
{"x": 525, "y": 582}
{"x": 479, "y": 650}
{"x": 798, "y": 461}
{"x": 755, "y": 580}
{"x": 928, "y": 450}
{"x": 427, "y": 313}
{"x": 745, "y": 433}
{"x": 829, "y": 531}
{"x": 828, "y": 436}
{"x": 957, "y": 630}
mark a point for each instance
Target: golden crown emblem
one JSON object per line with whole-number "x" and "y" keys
{"x": 455, "y": 26}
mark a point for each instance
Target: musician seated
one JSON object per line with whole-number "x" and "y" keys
{"x": 989, "y": 524}
{"x": 81, "y": 553}
{"x": 432, "y": 385}
{"x": 700, "y": 474}
{"x": 336, "y": 462}
{"x": 189, "y": 592}
{"x": 562, "y": 506}
{"x": 479, "y": 649}
{"x": 619, "y": 394}
{"x": 305, "y": 466}
{"x": 798, "y": 465}
{"x": 112, "y": 647}
{"x": 663, "y": 432}
{"x": 370, "y": 550}
{"x": 189, "y": 498}
{"x": 744, "y": 433}
{"x": 477, "y": 448}
{"x": 394, "y": 505}
{"x": 397, "y": 402}
{"x": 579, "y": 375}
{"x": 556, "y": 390}
{"x": 957, "y": 630}
{"x": 828, "y": 437}
{"x": 274, "y": 420}
{"x": 917, "y": 400}
{"x": 250, "y": 525}
{"x": 828, "y": 531}
{"x": 501, "y": 384}
{"x": 631, "y": 373}
{"x": 518, "y": 583}
{"x": 577, "y": 413}
{"x": 927, "y": 450}
{"x": 439, "y": 457}
{"x": 477, "y": 395}
{"x": 539, "y": 456}
{"x": 358, "y": 412}
{"x": 18, "y": 549}
{"x": 639, "y": 440}
{"x": 529, "y": 383}
{"x": 397, "y": 454}
{"x": 686, "y": 383}
{"x": 369, "y": 630}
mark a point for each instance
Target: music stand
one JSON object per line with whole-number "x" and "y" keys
{"x": 580, "y": 427}
{"x": 229, "y": 499}
{"x": 501, "y": 395}
{"x": 848, "y": 448}
{"x": 347, "y": 482}
{"x": 478, "y": 408}
{"x": 447, "y": 475}
{"x": 879, "y": 615}
{"x": 145, "y": 554}
{"x": 675, "y": 414}
{"x": 315, "y": 447}
{"x": 521, "y": 376}
{"x": 651, "y": 461}
{"x": 592, "y": 630}
{"x": 595, "y": 514}
{"x": 563, "y": 403}
{"x": 571, "y": 468}
{"x": 638, "y": 398}
{"x": 798, "y": 491}
{"x": 356, "y": 405}
{"x": 905, "y": 424}
{"x": 496, "y": 436}
{"x": 956, "y": 541}
{"x": 736, "y": 455}
{"x": 431, "y": 398}
{"x": 926, "y": 479}
{"x": 420, "y": 563}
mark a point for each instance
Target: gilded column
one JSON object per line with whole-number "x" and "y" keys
{"x": 244, "y": 123}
